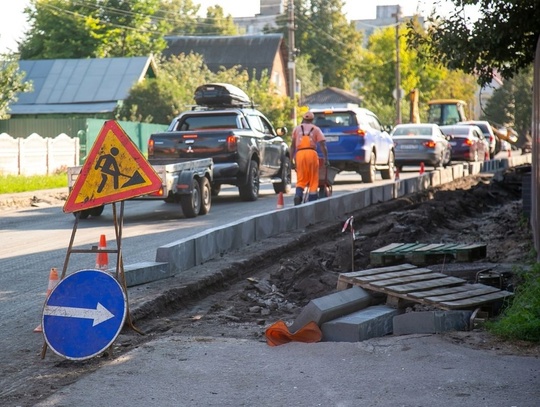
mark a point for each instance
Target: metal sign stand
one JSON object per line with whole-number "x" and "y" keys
{"x": 119, "y": 273}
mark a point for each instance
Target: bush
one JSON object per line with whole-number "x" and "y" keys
{"x": 521, "y": 318}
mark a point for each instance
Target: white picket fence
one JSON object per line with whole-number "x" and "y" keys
{"x": 36, "y": 155}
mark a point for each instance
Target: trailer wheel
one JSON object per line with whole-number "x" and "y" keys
{"x": 97, "y": 211}
{"x": 206, "y": 196}
{"x": 86, "y": 213}
{"x": 191, "y": 204}
{"x": 216, "y": 189}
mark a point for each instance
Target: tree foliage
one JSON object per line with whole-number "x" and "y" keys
{"x": 216, "y": 23}
{"x": 61, "y": 29}
{"x": 323, "y": 34}
{"x": 503, "y": 39}
{"x": 377, "y": 76}
{"x": 114, "y": 28}
{"x": 11, "y": 83}
{"x": 511, "y": 104}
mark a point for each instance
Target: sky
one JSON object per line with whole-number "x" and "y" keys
{"x": 13, "y": 22}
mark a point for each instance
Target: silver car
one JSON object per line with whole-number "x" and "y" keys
{"x": 417, "y": 143}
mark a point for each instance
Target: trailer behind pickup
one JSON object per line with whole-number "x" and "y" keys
{"x": 186, "y": 182}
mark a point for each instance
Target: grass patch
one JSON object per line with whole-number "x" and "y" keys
{"x": 10, "y": 184}
{"x": 521, "y": 319}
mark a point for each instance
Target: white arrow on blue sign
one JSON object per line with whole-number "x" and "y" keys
{"x": 84, "y": 314}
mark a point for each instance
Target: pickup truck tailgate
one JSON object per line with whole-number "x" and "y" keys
{"x": 173, "y": 146}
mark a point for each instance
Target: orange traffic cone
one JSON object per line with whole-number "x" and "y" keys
{"x": 280, "y": 200}
{"x": 53, "y": 280}
{"x": 396, "y": 176}
{"x": 102, "y": 259}
{"x": 422, "y": 170}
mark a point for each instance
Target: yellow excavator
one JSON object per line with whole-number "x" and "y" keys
{"x": 440, "y": 111}
{"x": 451, "y": 111}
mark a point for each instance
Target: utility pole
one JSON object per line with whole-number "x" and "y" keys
{"x": 291, "y": 63}
{"x": 398, "y": 75}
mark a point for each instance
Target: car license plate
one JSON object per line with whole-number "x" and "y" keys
{"x": 409, "y": 147}
{"x": 453, "y": 143}
{"x": 330, "y": 139}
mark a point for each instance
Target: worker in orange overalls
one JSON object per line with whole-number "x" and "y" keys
{"x": 305, "y": 138}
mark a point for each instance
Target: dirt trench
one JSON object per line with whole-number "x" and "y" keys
{"x": 476, "y": 209}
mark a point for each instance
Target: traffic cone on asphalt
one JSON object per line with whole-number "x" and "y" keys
{"x": 422, "y": 170}
{"x": 280, "y": 200}
{"x": 396, "y": 175}
{"x": 102, "y": 259}
{"x": 53, "y": 280}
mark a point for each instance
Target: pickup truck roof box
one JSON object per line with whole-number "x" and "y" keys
{"x": 221, "y": 94}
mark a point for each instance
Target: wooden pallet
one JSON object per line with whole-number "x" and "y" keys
{"x": 422, "y": 254}
{"x": 407, "y": 283}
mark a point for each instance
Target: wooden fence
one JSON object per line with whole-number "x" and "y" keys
{"x": 36, "y": 155}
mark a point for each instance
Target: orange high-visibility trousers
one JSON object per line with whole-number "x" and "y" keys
{"x": 307, "y": 169}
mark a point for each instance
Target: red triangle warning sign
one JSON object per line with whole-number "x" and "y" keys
{"x": 115, "y": 170}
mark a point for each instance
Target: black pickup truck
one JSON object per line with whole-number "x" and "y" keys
{"x": 241, "y": 141}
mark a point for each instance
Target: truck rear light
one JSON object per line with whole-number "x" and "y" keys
{"x": 150, "y": 147}
{"x": 232, "y": 142}
{"x": 190, "y": 136}
{"x": 430, "y": 144}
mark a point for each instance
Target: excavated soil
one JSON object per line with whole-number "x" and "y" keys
{"x": 275, "y": 284}
{"x": 477, "y": 209}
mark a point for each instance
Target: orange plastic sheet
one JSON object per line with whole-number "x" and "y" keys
{"x": 278, "y": 334}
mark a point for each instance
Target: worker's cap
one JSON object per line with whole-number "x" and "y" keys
{"x": 308, "y": 115}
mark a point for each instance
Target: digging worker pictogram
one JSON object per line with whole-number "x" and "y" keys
{"x": 109, "y": 167}
{"x": 305, "y": 138}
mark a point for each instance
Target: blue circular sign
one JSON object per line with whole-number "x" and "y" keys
{"x": 84, "y": 314}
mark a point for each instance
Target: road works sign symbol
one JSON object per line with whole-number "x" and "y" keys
{"x": 115, "y": 170}
{"x": 84, "y": 314}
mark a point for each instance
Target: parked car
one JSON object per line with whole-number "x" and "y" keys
{"x": 357, "y": 141}
{"x": 468, "y": 142}
{"x": 417, "y": 143}
{"x": 492, "y": 140}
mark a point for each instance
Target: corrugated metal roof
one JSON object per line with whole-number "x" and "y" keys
{"x": 83, "y": 108}
{"x": 79, "y": 85}
{"x": 251, "y": 52}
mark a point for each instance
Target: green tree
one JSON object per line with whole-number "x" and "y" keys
{"x": 61, "y": 29}
{"x": 178, "y": 17}
{"x": 308, "y": 76}
{"x": 378, "y": 77}
{"x": 101, "y": 28}
{"x": 160, "y": 99}
{"x": 11, "y": 83}
{"x": 503, "y": 39}
{"x": 511, "y": 104}
{"x": 216, "y": 23}
{"x": 129, "y": 28}
{"x": 323, "y": 33}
